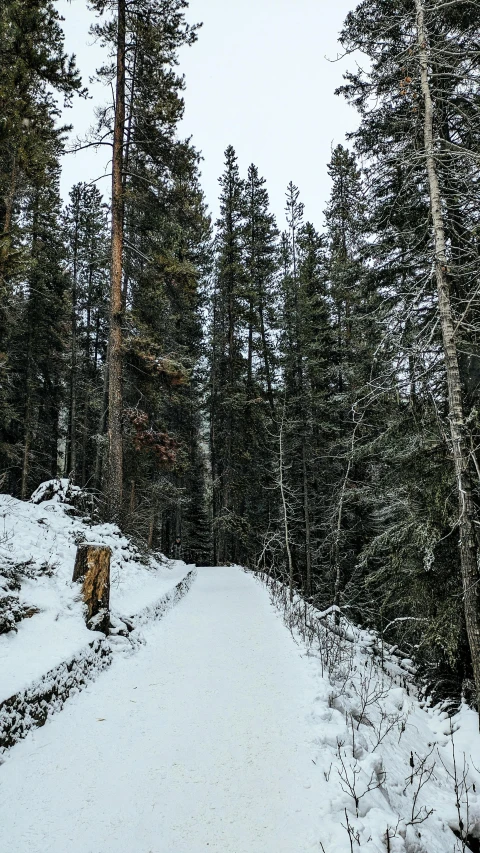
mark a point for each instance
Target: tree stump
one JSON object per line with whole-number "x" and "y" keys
{"x": 92, "y": 566}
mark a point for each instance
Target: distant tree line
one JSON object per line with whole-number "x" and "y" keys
{"x": 301, "y": 401}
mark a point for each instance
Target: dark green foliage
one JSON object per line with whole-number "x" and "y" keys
{"x": 242, "y": 367}
{"x": 228, "y": 369}
{"x": 87, "y": 243}
{"x": 33, "y": 66}
{"x": 36, "y": 346}
{"x": 408, "y": 571}
{"x": 167, "y": 233}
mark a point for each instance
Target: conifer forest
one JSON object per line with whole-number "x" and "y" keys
{"x": 299, "y": 398}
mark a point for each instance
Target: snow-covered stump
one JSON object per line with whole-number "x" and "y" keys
{"x": 30, "y": 707}
{"x": 92, "y": 567}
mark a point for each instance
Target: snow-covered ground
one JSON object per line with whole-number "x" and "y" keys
{"x": 197, "y": 743}
{"x": 223, "y": 734}
{"x": 38, "y": 541}
{"x": 400, "y": 776}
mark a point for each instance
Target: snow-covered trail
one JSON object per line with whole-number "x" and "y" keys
{"x": 199, "y": 742}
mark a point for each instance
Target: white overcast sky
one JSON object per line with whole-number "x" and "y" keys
{"x": 258, "y": 78}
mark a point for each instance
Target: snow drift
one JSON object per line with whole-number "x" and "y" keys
{"x": 46, "y": 651}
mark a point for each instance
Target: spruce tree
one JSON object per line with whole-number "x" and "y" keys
{"x": 419, "y": 136}
{"x": 297, "y": 392}
{"x": 259, "y": 416}
{"x": 87, "y": 244}
{"x": 228, "y": 363}
{"x": 37, "y": 342}
{"x": 33, "y": 68}
{"x": 162, "y": 249}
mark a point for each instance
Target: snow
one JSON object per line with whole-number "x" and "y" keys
{"x": 43, "y": 536}
{"x": 40, "y": 645}
{"x": 227, "y": 733}
{"x": 392, "y": 764}
{"x": 197, "y": 743}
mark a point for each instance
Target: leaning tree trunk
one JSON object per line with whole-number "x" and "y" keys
{"x": 281, "y": 482}
{"x": 467, "y": 511}
{"x": 115, "y": 443}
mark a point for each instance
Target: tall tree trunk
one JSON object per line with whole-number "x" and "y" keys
{"x": 27, "y": 445}
{"x": 84, "y": 441}
{"x": 306, "y": 513}
{"x": 126, "y": 152}
{"x": 133, "y": 500}
{"x": 99, "y": 454}
{"x": 6, "y": 237}
{"x": 87, "y": 373}
{"x": 29, "y": 405}
{"x": 151, "y": 529}
{"x": 337, "y": 562}
{"x": 467, "y": 510}
{"x": 266, "y": 360}
{"x": 7, "y": 222}
{"x": 213, "y": 444}
{"x": 283, "y": 497}
{"x": 115, "y": 442}
{"x": 71, "y": 459}
{"x": 250, "y": 347}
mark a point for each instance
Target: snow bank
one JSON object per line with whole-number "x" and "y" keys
{"x": 30, "y": 708}
{"x": 400, "y": 776}
{"x": 38, "y": 542}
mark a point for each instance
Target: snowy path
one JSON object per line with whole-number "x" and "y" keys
{"x": 197, "y": 743}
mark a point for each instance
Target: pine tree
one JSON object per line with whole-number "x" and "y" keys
{"x": 261, "y": 264}
{"x": 297, "y": 392}
{"x": 419, "y": 136}
{"x": 318, "y": 356}
{"x": 257, "y": 421}
{"x": 228, "y": 364}
{"x": 33, "y": 66}
{"x": 87, "y": 244}
{"x": 161, "y": 247}
{"x": 37, "y": 343}
{"x": 352, "y": 360}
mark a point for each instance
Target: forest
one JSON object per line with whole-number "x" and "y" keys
{"x": 302, "y": 399}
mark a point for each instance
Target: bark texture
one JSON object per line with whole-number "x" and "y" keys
{"x": 461, "y": 454}
{"x": 115, "y": 402}
{"x": 92, "y": 567}
{"x": 281, "y": 484}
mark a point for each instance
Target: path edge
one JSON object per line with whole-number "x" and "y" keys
{"x": 31, "y": 707}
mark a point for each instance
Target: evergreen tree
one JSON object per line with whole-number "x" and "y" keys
{"x": 260, "y": 235}
{"x": 164, "y": 253}
{"x": 420, "y": 136}
{"x": 261, "y": 265}
{"x": 352, "y": 356}
{"x": 85, "y": 229}
{"x": 318, "y": 356}
{"x": 33, "y": 67}
{"x": 229, "y": 365}
{"x": 296, "y": 392}
{"x": 37, "y": 343}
